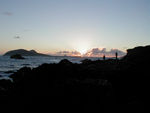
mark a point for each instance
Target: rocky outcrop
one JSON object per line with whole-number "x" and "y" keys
{"x": 138, "y": 54}
{"x": 16, "y": 56}
{"x": 24, "y": 52}
{"x": 92, "y": 85}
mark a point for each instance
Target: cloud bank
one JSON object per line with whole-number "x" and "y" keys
{"x": 68, "y": 53}
{"x": 98, "y": 52}
{"x": 95, "y": 52}
{"x": 17, "y": 37}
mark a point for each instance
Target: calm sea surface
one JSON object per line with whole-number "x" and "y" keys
{"x": 8, "y": 65}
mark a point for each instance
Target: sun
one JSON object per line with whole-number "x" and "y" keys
{"x": 82, "y": 47}
{"x": 81, "y": 43}
{"x": 82, "y": 51}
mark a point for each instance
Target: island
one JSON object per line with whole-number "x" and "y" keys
{"x": 24, "y": 52}
{"x": 17, "y": 56}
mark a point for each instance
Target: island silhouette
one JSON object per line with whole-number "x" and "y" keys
{"x": 24, "y": 52}
{"x": 17, "y": 56}
{"x": 109, "y": 85}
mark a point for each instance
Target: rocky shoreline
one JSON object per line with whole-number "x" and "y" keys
{"x": 92, "y": 86}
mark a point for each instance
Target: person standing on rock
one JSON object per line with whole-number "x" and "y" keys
{"x": 116, "y": 55}
{"x": 104, "y": 57}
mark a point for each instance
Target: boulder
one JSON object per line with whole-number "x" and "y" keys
{"x": 138, "y": 55}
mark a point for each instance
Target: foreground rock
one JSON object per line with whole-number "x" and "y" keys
{"x": 92, "y": 86}
{"x": 138, "y": 54}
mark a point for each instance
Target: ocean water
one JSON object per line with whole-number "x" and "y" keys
{"x": 8, "y": 65}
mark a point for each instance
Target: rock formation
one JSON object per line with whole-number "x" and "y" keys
{"x": 24, "y": 52}
{"x": 16, "y": 56}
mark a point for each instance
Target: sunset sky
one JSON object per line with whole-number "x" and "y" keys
{"x": 57, "y": 26}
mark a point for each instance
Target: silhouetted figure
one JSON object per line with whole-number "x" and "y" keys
{"x": 116, "y": 56}
{"x": 104, "y": 57}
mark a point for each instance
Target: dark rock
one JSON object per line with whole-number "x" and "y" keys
{"x": 65, "y": 62}
{"x": 5, "y": 87}
{"x": 86, "y": 61}
{"x": 16, "y": 56}
{"x": 90, "y": 86}
{"x": 138, "y": 54}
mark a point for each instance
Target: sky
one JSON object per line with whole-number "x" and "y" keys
{"x": 74, "y": 26}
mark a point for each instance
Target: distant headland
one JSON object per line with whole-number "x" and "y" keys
{"x": 24, "y": 52}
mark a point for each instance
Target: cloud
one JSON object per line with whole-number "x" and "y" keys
{"x": 17, "y": 37}
{"x": 7, "y": 13}
{"x": 68, "y": 53}
{"x": 97, "y": 52}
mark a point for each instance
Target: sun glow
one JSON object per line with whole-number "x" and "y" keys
{"x": 81, "y": 42}
{"x": 82, "y": 50}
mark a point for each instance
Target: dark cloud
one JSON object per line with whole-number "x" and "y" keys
{"x": 68, "y": 53}
{"x": 17, "y": 37}
{"x": 97, "y": 52}
{"x": 63, "y": 52}
{"x": 7, "y": 13}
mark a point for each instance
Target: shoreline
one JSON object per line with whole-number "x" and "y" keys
{"x": 22, "y": 63}
{"x": 87, "y": 86}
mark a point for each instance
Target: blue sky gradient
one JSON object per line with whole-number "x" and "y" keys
{"x": 67, "y": 25}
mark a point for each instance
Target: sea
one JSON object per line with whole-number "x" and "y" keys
{"x": 8, "y": 66}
